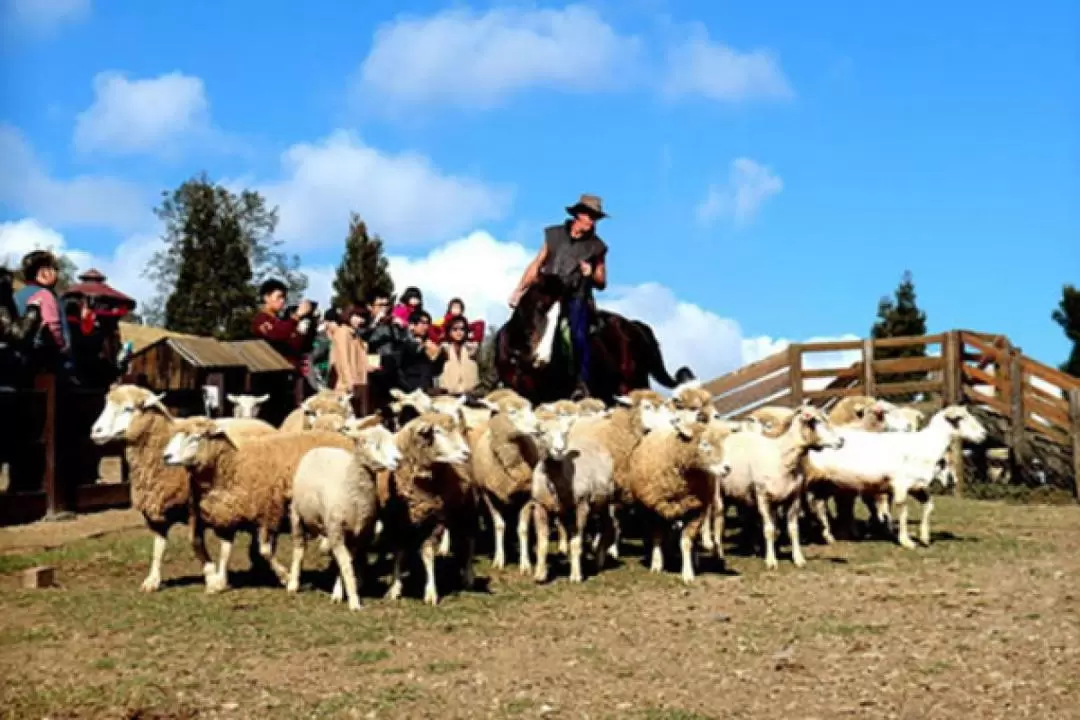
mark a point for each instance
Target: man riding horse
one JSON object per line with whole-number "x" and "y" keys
{"x": 575, "y": 254}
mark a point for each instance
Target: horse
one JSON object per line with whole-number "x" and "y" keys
{"x": 624, "y": 353}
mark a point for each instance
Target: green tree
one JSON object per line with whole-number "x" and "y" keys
{"x": 363, "y": 269}
{"x": 485, "y": 363}
{"x": 1067, "y": 315}
{"x": 900, "y": 316}
{"x": 218, "y": 247}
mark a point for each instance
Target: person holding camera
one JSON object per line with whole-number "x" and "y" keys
{"x": 287, "y": 335}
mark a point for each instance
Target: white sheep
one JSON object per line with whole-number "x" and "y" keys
{"x": 766, "y": 475}
{"x": 246, "y": 406}
{"x": 333, "y": 495}
{"x": 573, "y": 480}
{"x": 901, "y": 464}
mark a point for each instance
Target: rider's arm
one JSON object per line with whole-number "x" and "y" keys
{"x": 533, "y": 270}
{"x": 599, "y": 273}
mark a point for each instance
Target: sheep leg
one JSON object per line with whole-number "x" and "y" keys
{"x": 902, "y": 535}
{"x": 395, "y": 585}
{"x": 797, "y": 556}
{"x": 444, "y": 543}
{"x": 581, "y": 513}
{"x": 821, "y": 511}
{"x": 924, "y": 521}
{"x": 718, "y": 510}
{"x": 616, "y": 535}
{"x": 768, "y": 530}
{"x": 524, "y": 516}
{"x": 198, "y": 545}
{"x": 707, "y": 542}
{"x": 347, "y": 574}
{"x": 161, "y": 539}
{"x": 540, "y": 517}
{"x": 297, "y": 553}
{"x": 686, "y": 547}
{"x": 427, "y": 554}
{"x": 266, "y": 549}
{"x": 467, "y": 577}
{"x": 499, "y": 561}
{"x": 560, "y": 530}
{"x": 606, "y": 520}
{"x": 221, "y": 578}
{"x": 656, "y": 563}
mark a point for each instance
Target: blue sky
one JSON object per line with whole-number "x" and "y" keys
{"x": 770, "y": 170}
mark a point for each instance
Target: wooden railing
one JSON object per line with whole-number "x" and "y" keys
{"x": 959, "y": 366}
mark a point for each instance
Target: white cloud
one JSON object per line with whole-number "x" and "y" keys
{"x": 699, "y": 66}
{"x": 749, "y": 185}
{"x": 461, "y": 57}
{"x": 142, "y": 115}
{"x": 43, "y": 16}
{"x": 84, "y": 200}
{"x": 122, "y": 268}
{"x": 483, "y": 271}
{"x": 402, "y": 197}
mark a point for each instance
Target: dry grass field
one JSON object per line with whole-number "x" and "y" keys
{"x": 983, "y": 624}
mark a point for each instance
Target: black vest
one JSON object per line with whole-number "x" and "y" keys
{"x": 565, "y": 253}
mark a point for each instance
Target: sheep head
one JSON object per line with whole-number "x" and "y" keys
{"x": 706, "y": 441}
{"x": 554, "y": 433}
{"x": 813, "y": 429}
{"x": 187, "y": 446}
{"x": 434, "y": 438}
{"x": 326, "y": 402}
{"x": 590, "y": 406}
{"x": 329, "y": 422}
{"x": 376, "y": 444}
{"x": 417, "y": 399}
{"x": 961, "y": 423}
{"x": 246, "y": 406}
{"x": 517, "y": 411}
{"x": 123, "y": 406}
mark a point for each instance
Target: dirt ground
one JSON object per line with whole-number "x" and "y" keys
{"x": 983, "y": 624}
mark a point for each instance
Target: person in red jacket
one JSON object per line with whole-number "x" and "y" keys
{"x": 286, "y": 335}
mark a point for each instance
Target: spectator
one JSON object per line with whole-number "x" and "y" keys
{"x": 421, "y": 360}
{"x": 460, "y": 372}
{"x": 287, "y": 335}
{"x": 17, "y": 333}
{"x": 454, "y": 308}
{"x": 385, "y": 341}
{"x": 40, "y": 271}
{"x": 411, "y": 300}
{"x": 348, "y": 355}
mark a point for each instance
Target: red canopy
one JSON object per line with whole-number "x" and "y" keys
{"x": 92, "y": 285}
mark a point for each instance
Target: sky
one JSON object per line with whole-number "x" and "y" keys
{"x": 770, "y": 170}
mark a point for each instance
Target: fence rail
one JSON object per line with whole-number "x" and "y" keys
{"x": 1039, "y": 404}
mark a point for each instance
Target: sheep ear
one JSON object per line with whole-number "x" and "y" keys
{"x": 396, "y": 393}
{"x": 262, "y": 398}
{"x": 154, "y": 400}
{"x": 231, "y": 398}
{"x": 624, "y": 400}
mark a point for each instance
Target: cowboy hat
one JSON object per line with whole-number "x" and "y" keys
{"x": 590, "y": 204}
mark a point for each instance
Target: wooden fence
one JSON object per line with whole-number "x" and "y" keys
{"x": 1040, "y": 406}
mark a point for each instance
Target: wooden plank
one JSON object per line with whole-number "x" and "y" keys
{"x": 1017, "y": 414}
{"x": 1049, "y": 374}
{"x": 1061, "y": 437}
{"x": 748, "y": 373}
{"x": 1074, "y": 432}
{"x": 1040, "y": 394}
{"x": 828, "y": 393}
{"x": 102, "y": 495}
{"x": 833, "y": 346}
{"x": 1057, "y": 414}
{"x": 957, "y": 465}
{"x": 850, "y": 372}
{"x": 915, "y": 386}
{"x": 780, "y": 400}
{"x": 907, "y": 365}
{"x": 54, "y": 493}
{"x": 909, "y": 341}
{"x": 752, "y": 393}
{"x": 795, "y": 377}
{"x": 984, "y": 347}
{"x": 951, "y": 368}
{"x": 868, "y": 367}
{"x": 988, "y": 400}
{"x": 979, "y": 376}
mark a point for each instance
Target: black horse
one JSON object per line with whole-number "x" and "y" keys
{"x": 623, "y": 353}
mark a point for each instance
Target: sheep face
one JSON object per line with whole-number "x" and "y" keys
{"x": 963, "y": 424}
{"x": 814, "y": 429}
{"x": 708, "y": 440}
{"x": 439, "y": 439}
{"x": 553, "y": 436}
{"x": 329, "y": 422}
{"x": 587, "y": 407}
{"x": 377, "y": 445}
{"x": 122, "y": 405}
{"x": 326, "y": 403}
{"x": 183, "y": 448}
{"x": 246, "y": 406}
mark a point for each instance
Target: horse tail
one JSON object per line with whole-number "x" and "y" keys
{"x": 656, "y": 361}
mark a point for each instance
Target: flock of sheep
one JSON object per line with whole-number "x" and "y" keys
{"x": 423, "y": 480}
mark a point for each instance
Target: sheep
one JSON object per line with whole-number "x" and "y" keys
{"x": 591, "y": 407}
{"x": 901, "y": 464}
{"x": 139, "y": 419}
{"x": 333, "y": 495}
{"x": 503, "y": 459}
{"x": 691, "y": 397}
{"x": 910, "y": 419}
{"x": 766, "y": 474}
{"x": 425, "y": 495}
{"x": 324, "y": 402}
{"x": 246, "y": 406}
{"x": 771, "y": 419}
{"x": 571, "y": 481}
{"x": 243, "y": 485}
{"x": 673, "y": 473}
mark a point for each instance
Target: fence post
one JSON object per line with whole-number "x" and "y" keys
{"x": 1074, "y": 417}
{"x": 868, "y": 381}
{"x": 795, "y": 373}
{"x": 55, "y": 502}
{"x": 1017, "y": 437}
{"x": 952, "y": 370}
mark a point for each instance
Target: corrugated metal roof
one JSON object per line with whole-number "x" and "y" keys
{"x": 259, "y": 356}
{"x": 205, "y": 352}
{"x": 142, "y": 336}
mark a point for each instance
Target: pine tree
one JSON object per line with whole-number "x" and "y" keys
{"x": 363, "y": 269}
{"x": 218, "y": 247}
{"x": 900, "y": 316}
{"x": 1067, "y": 315}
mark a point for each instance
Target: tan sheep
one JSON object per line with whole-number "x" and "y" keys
{"x": 691, "y": 397}
{"x": 242, "y": 485}
{"x": 425, "y": 496}
{"x": 139, "y": 419}
{"x": 673, "y": 473}
{"x": 772, "y": 419}
{"x": 324, "y": 402}
{"x": 850, "y": 410}
{"x": 590, "y": 406}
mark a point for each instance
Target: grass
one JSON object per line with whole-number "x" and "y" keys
{"x": 995, "y": 594}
